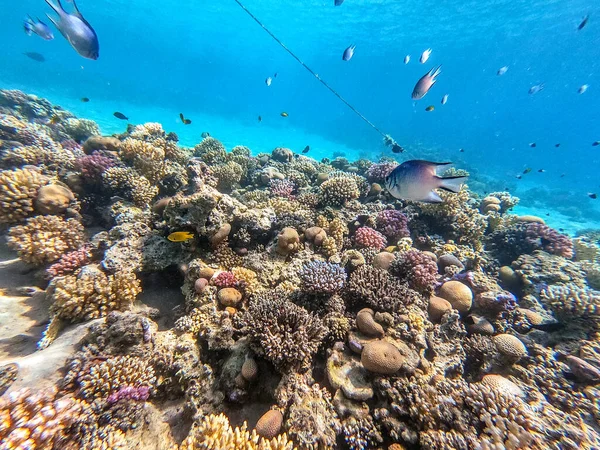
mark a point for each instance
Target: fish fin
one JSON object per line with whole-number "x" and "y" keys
{"x": 452, "y": 184}
{"x": 432, "y": 163}
{"x": 56, "y": 24}
{"x": 27, "y": 28}
{"x": 57, "y": 9}
{"x": 79, "y": 15}
{"x": 433, "y": 197}
{"x": 435, "y": 72}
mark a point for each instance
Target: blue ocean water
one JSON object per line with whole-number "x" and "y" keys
{"x": 210, "y": 60}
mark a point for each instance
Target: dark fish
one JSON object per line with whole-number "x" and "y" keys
{"x": 182, "y": 117}
{"x": 541, "y": 170}
{"x": 527, "y": 170}
{"x": 561, "y": 229}
{"x": 430, "y": 108}
{"x": 306, "y": 149}
{"x": 76, "y": 30}
{"x": 338, "y": 2}
{"x": 275, "y": 75}
{"x": 35, "y": 56}
{"x": 426, "y": 83}
{"x": 518, "y": 177}
{"x": 547, "y": 214}
{"x": 397, "y": 149}
{"x": 187, "y": 121}
{"x": 535, "y": 89}
{"x": 583, "y": 22}
{"x": 348, "y": 53}
{"x": 260, "y": 118}
{"x": 445, "y": 99}
{"x": 85, "y": 99}
{"x": 284, "y": 114}
{"x": 557, "y": 145}
{"x": 549, "y": 327}
{"x": 562, "y": 175}
{"x": 38, "y": 27}
{"x": 121, "y": 116}
{"x": 462, "y": 150}
{"x": 416, "y": 180}
{"x": 532, "y": 144}
{"x": 592, "y": 195}
{"x": 205, "y": 134}
{"x": 595, "y": 144}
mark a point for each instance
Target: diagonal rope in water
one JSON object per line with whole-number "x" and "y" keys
{"x": 386, "y": 137}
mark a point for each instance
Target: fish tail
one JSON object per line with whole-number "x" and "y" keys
{"x": 452, "y": 184}
{"x": 435, "y": 72}
{"x": 27, "y": 28}
{"x": 57, "y": 9}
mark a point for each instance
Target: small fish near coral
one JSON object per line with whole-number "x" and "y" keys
{"x": 180, "y": 236}
{"x": 120, "y": 116}
{"x": 184, "y": 120}
{"x": 416, "y": 180}
{"x": 76, "y": 30}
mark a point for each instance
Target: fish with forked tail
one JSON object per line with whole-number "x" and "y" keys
{"x": 37, "y": 27}
{"x": 416, "y": 180}
{"x": 425, "y": 83}
{"x": 76, "y": 30}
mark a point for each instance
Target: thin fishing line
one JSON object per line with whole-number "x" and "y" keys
{"x": 385, "y": 136}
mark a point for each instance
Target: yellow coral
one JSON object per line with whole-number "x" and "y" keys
{"x": 44, "y": 239}
{"x": 126, "y": 182}
{"x": 18, "y": 189}
{"x": 214, "y": 432}
{"x": 337, "y": 191}
{"x": 249, "y": 278}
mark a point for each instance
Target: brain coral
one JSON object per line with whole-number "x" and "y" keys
{"x": 417, "y": 269}
{"x": 18, "y": 189}
{"x": 322, "y": 277}
{"x": 45, "y": 239}
{"x": 337, "y": 191}
{"x": 284, "y": 333}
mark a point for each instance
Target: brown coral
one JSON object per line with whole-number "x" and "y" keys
{"x": 44, "y": 239}
{"x": 18, "y": 190}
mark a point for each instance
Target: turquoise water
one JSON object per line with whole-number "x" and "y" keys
{"x": 209, "y": 60}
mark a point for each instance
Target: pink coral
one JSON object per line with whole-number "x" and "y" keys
{"x": 282, "y": 188}
{"x": 70, "y": 262}
{"x": 369, "y": 238}
{"x": 225, "y": 280}
{"x": 141, "y": 393}
{"x": 417, "y": 269}
{"x": 93, "y": 166}
{"x": 550, "y": 240}
{"x": 377, "y": 172}
{"x": 70, "y": 144}
{"x": 393, "y": 224}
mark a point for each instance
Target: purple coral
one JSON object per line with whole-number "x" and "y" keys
{"x": 70, "y": 262}
{"x": 393, "y": 224}
{"x": 369, "y": 238}
{"x": 93, "y": 166}
{"x": 496, "y": 301}
{"x": 417, "y": 269}
{"x": 282, "y": 188}
{"x": 321, "y": 277}
{"x": 377, "y": 172}
{"x": 141, "y": 393}
{"x": 549, "y": 239}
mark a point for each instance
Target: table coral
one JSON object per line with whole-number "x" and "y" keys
{"x": 45, "y": 239}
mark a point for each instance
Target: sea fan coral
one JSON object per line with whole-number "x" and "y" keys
{"x": 393, "y": 224}
{"x": 284, "y": 333}
{"x": 366, "y": 237}
{"x": 322, "y": 277}
{"x": 417, "y": 269}
{"x": 44, "y": 239}
{"x": 550, "y": 240}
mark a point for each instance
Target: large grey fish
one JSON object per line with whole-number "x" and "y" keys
{"x": 416, "y": 180}
{"x": 38, "y": 27}
{"x": 425, "y": 83}
{"x": 76, "y": 30}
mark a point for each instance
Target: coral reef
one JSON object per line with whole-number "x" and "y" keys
{"x": 304, "y": 301}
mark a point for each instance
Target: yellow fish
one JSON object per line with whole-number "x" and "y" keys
{"x": 430, "y": 108}
{"x": 284, "y": 114}
{"x": 180, "y": 236}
